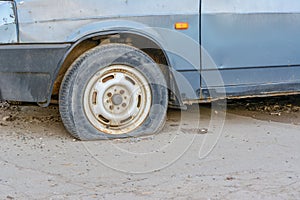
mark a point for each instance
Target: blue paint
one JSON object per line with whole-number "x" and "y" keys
{"x": 8, "y": 27}
{"x": 232, "y": 48}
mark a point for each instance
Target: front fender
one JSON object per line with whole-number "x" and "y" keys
{"x": 112, "y": 25}
{"x": 174, "y": 44}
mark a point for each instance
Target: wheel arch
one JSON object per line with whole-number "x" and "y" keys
{"x": 126, "y": 36}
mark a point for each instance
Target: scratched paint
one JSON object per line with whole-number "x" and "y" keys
{"x": 252, "y": 42}
{"x": 8, "y": 28}
{"x": 57, "y": 20}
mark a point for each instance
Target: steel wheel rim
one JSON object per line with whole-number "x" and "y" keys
{"x": 117, "y": 99}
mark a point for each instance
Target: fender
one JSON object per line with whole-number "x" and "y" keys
{"x": 170, "y": 40}
{"x": 107, "y": 26}
{"x": 110, "y": 28}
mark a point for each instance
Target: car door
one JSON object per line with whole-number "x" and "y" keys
{"x": 8, "y": 26}
{"x": 254, "y": 44}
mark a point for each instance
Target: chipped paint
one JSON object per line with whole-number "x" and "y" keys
{"x": 60, "y": 19}
{"x": 8, "y": 27}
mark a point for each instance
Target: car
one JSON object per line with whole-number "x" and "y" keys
{"x": 116, "y": 66}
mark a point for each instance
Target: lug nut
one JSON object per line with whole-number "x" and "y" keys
{"x": 122, "y": 92}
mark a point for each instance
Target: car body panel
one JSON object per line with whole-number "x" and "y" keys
{"x": 251, "y": 34}
{"x": 252, "y": 42}
{"x": 66, "y": 21}
{"x": 66, "y": 18}
{"x": 250, "y": 46}
{"x": 8, "y": 25}
{"x": 26, "y": 71}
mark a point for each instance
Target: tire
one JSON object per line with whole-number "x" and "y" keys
{"x": 113, "y": 91}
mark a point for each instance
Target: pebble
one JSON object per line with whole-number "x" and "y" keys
{"x": 4, "y": 104}
{"x": 195, "y": 130}
{"x": 8, "y": 118}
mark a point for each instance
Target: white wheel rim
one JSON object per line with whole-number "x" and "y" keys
{"x": 117, "y": 99}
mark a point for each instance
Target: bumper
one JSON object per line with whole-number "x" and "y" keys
{"x": 28, "y": 71}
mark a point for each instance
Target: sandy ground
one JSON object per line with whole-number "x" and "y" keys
{"x": 251, "y": 153}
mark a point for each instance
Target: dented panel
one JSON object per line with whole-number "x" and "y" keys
{"x": 56, "y": 21}
{"x": 252, "y": 43}
{"x": 8, "y": 27}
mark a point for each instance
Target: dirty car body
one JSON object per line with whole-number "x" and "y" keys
{"x": 252, "y": 45}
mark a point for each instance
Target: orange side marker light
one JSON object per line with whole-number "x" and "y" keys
{"x": 182, "y": 26}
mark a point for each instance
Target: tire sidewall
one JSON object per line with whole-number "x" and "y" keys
{"x": 101, "y": 57}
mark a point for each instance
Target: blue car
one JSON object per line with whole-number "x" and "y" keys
{"x": 115, "y": 66}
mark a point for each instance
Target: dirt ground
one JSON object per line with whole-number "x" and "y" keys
{"x": 252, "y": 152}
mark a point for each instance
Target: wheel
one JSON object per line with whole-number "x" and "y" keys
{"x": 113, "y": 91}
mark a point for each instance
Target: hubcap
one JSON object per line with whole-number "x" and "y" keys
{"x": 117, "y": 99}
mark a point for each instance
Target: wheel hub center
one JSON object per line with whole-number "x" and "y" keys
{"x": 117, "y": 99}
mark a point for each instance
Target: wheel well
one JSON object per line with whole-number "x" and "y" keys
{"x": 140, "y": 42}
